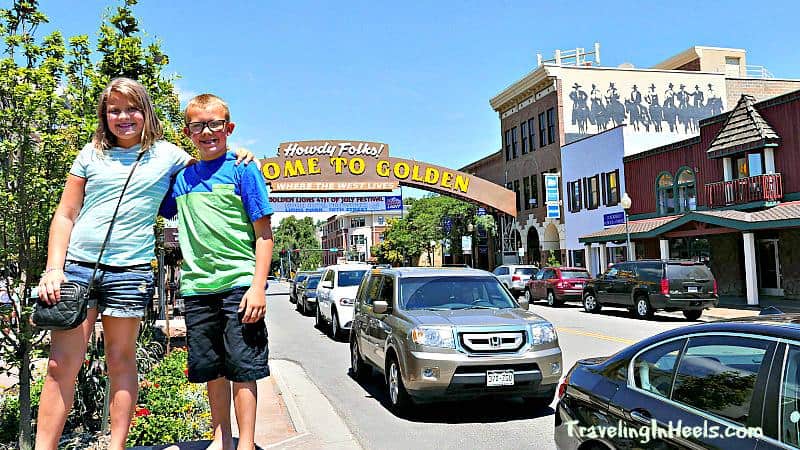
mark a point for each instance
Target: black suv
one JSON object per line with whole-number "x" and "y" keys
{"x": 649, "y": 285}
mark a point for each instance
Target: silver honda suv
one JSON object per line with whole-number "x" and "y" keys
{"x": 446, "y": 333}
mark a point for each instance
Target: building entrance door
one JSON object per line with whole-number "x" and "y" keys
{"x": 769, "y": 268}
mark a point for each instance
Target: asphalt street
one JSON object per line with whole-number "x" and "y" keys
{"x": 475, "y": 424}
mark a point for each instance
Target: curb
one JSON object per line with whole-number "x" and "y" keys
{"x": 316, "y": 421}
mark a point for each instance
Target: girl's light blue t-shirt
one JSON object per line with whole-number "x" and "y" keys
{"x": 132, "y": 240}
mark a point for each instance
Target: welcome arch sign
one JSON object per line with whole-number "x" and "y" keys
{"x": 352, "y": 166}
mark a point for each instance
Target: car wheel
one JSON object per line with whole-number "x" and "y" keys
{"x": 297, "y": 306}
{"x": 319, "y": 322}
{"x": 590, "y": 303}
{"x": 643, "y": 308}
{"x": 399, "y": 399}
{"x": 336, "y": 331}
{"x": 528, "y": 296}
{"x": 693, "y": 314}
{"x": 551, "y": 299}
{"x": 358, "y": 368}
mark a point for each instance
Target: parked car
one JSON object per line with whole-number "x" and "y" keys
{"x": 515, "y": 276}
{"x": 307, "y": 294}
{"x": 557, "y": 285}
{"x": 445, "y": 334}
{"x": 298, "y": 278}
{"x": 732, "y": 384}
{"x": 649, "y": 285}
{"x": 335, "y": 297}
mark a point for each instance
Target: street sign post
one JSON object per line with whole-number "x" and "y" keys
{"x": 466, "y": 245}
{"x": 552, "y": 196}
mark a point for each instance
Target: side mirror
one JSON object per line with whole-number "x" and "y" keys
{"x": 327, "y": 284}
{"x": 523, "y": 303}
{"x": 380, "y": 307}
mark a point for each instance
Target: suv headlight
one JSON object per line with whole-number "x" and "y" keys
{"x": 543, "y": 333}
{"x": 346, "y": 301}
{"x": 433, "y": 336}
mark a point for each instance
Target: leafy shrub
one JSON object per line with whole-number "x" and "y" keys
{"x": 170, "y": 408}
{"x": 9, "y": 411}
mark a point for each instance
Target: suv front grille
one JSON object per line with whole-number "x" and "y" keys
{"x": 493, "y": 342}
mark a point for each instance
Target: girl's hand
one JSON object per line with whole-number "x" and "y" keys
{"x": 50, "y": 286}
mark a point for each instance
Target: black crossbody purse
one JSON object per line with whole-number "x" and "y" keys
{"x": 70, "y": 310}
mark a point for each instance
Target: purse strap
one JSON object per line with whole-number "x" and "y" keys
{"x": 113, "y": 219}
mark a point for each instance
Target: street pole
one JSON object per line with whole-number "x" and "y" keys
{"x": 628, "y": 235}
{"x": 626, "y": 203}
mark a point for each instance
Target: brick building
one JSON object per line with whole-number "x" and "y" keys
{"x": 572, "y": 96}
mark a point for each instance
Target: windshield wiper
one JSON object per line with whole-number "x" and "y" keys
{"x": 477, "y": 307}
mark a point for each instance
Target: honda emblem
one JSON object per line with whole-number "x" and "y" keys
{"x": 495, "y": 341}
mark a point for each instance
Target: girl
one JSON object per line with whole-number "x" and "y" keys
{"x": 124, "y": 282}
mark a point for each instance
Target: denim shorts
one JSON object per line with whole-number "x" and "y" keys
{"x": 220, "y": 345}
{"x": 118, "y": 291}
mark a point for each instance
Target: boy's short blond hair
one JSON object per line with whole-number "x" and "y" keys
{"x": 204, "y": 101}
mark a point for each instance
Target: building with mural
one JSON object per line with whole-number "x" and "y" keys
{"x": 593, "y": 188}
{"x": 572, "y": 96}
{"x": 729, "y": 196}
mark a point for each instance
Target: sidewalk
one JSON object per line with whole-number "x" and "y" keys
{"x": 732, "y": 307}
{"x": 292, "y": 412}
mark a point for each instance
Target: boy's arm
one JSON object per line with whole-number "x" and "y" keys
{"x": 254, "y": 302}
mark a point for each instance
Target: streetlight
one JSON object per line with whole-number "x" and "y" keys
{"x": 626, "y": 201}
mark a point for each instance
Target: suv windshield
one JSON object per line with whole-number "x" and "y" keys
{"x": 570, "y": 274}
{"x": 453, "y": 293}
{"x": 351, "y": 277}
{"x": 300, "y": 277}
{"x": 695, "y": 272}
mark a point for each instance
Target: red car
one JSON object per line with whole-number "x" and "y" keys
{"x": 557, "y": 285}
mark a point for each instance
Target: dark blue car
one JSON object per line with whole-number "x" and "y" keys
{"x": 307, "y": 294}
{"x": 730, "y": 385}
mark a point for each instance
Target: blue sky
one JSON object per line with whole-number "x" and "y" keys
{"x": 415, "y": 75}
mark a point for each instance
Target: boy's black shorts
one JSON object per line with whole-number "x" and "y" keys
{"x": 220, "y": 345}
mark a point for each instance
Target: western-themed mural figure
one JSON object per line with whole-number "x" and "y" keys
{"x": 681, "y": 109}
{"x": 654, "y": 108}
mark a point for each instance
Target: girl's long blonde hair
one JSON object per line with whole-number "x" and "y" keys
{"x": 152, "y": 131}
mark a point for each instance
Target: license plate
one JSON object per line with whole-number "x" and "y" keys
{"x": 499, "y": 378}
{"x": 693, "y": 289}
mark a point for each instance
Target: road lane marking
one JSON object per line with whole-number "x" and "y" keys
{"x": 595, "y": 335}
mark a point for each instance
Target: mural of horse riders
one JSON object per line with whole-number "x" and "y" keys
{"x": 580, "y": 110}
{"x": 654, "y": 108}
{"x": 680, "y": 109}
{"x": 637, "y": 112}
{"x": 597, "y": 113}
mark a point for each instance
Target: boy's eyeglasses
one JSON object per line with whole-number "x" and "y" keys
{"x": 213, "y": 125}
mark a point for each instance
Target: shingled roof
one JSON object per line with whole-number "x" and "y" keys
{"x": 744, "y": 130}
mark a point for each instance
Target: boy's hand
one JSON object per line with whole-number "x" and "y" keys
{"x": 254, "y": 305}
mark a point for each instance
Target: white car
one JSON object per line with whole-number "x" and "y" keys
{"x": 336, "y": 294}
{"x": 515, "y": 276}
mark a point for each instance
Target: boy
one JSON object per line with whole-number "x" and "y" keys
{"x": 226, "y": 259}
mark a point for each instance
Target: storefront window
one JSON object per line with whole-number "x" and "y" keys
{"x": 665, "y": 194}
{"x": 687, "y": 191}
{"x": 695, "y": 249}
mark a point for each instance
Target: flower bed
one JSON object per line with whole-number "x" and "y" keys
{"x": 170, "y": 409}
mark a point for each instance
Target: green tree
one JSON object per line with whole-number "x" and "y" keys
{"x": 39, "y": 136}
{"x": 48, "y": 92}
{"x": 425, "y": 227}
{"x": 297, "y": 234}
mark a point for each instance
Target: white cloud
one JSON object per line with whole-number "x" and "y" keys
{"x": 184, "y": 95}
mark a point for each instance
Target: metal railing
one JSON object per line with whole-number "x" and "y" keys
{"x": 757, "y": 72}
{"x": 768, "y": 188}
